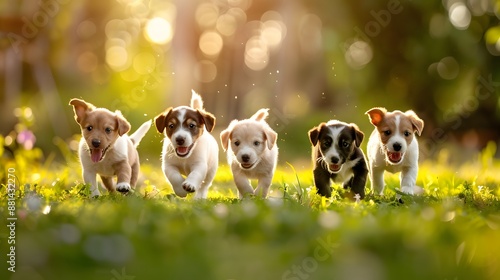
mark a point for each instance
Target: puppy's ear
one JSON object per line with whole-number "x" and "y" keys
{"x": 271, "y": 137}
{"x": 208, "y": 119}
{"x": 358, "y": 134}
{"x": 314, "y": 134}
{"x": 224, "y": 138}
{"x": 160, "y": 120}
{"x": 81, "y": 108}
{"x": 376, "y": 115}
{"x": 122, "y": 124}
{"x": 418, "y": 123}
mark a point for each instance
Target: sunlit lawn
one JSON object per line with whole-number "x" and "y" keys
{"x": 451, "y": 232}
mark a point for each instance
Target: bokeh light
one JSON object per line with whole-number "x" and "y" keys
{"x": 205, "y": 71}
{"x": 256, "y": 53}
{"x": 358, "y": 54}
{"x": 117, "y": 57}
{"x": 459, "y": 15}
{"x": 210, "y": 43}
{"x": 158, "y": 31}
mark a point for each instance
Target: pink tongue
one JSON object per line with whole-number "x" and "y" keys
{"x": 182, "y": 150}
{"x": 96, "y": 155}
{"x": 334, "y": 167}
{"x": 395, "y": 156}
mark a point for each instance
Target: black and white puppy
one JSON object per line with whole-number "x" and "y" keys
{"x": 336, "y": 156}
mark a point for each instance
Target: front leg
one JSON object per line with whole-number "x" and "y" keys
{"x": 322, "y": 181}
{"x": 123, "y": 172}
{"x": 242, "y": 183}
{"x": 90, "y": 178}
{"x": 377, "y": 179}
{"x": 408, "y": 179}
{"x": 194, "y": 179}
{"x": 108, "y": 183}
{"x": 175, "y": 178}
{"x": 263, "y": 186}
{"x": 357, "y": 182}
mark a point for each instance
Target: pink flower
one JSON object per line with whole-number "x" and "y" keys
{"x": 27, "y": 139}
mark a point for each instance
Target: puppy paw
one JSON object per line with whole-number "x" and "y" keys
{"x": 123, "y": 187}
{"x": 188, "y": 186}
{"x": 407, "y": 190}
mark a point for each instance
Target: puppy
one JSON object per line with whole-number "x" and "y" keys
{"x": 252, "y": 153}
{"x": 393, "y": 147}
{"x": 106, "y": 149}
{"x": 336, "y": 155}
{"x": 188, "y": 148}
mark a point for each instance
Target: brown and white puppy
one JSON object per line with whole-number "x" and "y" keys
{"x": 336, "y": 156}
{"x": 188, "y": 148}
{"x": 252, "y": 153}
{"x": 106, "y": 149}
{"x": 393, "y": 147}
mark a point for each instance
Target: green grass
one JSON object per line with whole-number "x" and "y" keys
{"x": 450, "y": 232}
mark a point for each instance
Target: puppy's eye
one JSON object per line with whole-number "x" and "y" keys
{"x": 89, "y": 128}
{"x": 256, "y": 143}
{"x": 236, "y": 143}
{"x": 171, "y": 126}
{"x": 407, "y": 133}
{"x": 192, "y": 125}
{"x": 108, "y": 130}
{"x": 387, "y": 132}
{"x": 327, "y": 143}
{"x": 345, "y": 144}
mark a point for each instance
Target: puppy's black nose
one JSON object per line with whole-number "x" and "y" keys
{"x": 245, "y": 158}
{"x": 180, "y": 140}
{"x": 96, "y": 143}
{"x": 335, "y": 160}
{"x": 397, "y": 147}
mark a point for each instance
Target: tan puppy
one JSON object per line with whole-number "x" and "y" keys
{"x": 190, "y": 154}
{"x": 106, "y": 149}
{"x": 393, "y": 147}
{"x": 252, "y": 153}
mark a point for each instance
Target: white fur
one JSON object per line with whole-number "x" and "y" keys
{"x": 377, "y": 162}
{"x": 196, "y": 171}
{"x": 263, "y": 157}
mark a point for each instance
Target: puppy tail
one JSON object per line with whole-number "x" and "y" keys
{"x": 196, "y": 101}
{"x": 137, "y": 136}
{"x": 260, "y": 115}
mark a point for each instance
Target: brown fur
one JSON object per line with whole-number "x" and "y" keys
{"x": 104, "y": 126}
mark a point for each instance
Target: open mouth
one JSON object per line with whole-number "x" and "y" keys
{"x": 96, "y": 155}
{"x": 335, "y": 167}
{"x": 183, "y": 151}
{"x": 394, "y": 157}
{"x": 247, "y": 165}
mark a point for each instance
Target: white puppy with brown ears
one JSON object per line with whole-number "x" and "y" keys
{"x": 106, "y": 149}
{"x": 190, "y": 154}
{"x": 393, "y": 147}
{"x": 252, "y": 153}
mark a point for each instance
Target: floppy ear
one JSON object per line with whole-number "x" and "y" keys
{"x": 358, "y": 134}
{"x": 376, "y": 115}
{"x": 418, "y": 123}
{"x": 160, "y": 120}
{"x": 123, "y": 124}
{"x": 208, "y": 119}
{"x": 81, "y": 108}
{"x": 314, "y": 134}
{"x": 271, "y": 137}
{"x": 224, "y": 138}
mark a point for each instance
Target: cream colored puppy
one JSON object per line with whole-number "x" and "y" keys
{"x": 252, "y": 153}
{"x": 106, "y": 149}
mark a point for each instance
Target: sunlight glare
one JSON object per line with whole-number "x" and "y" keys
{"x": 158, "y": 31}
